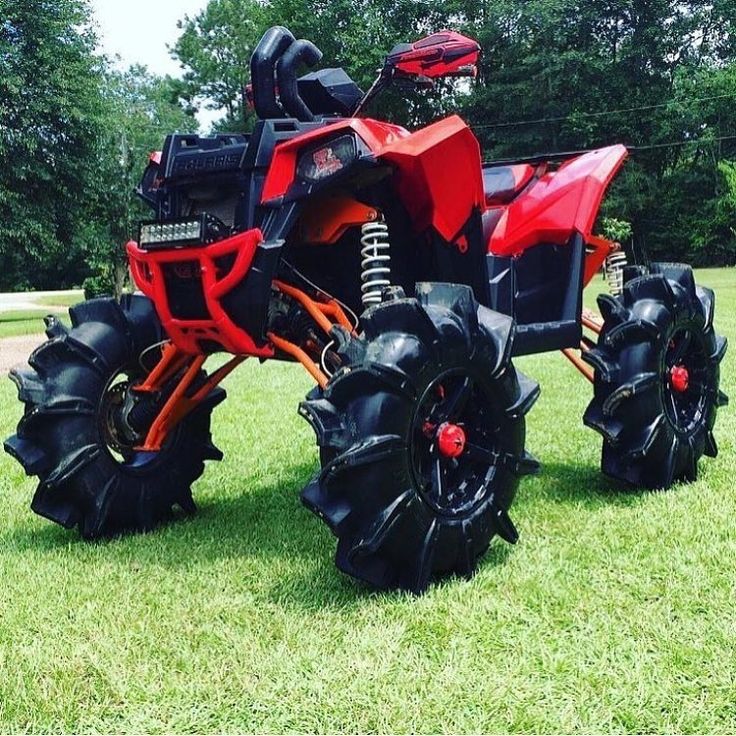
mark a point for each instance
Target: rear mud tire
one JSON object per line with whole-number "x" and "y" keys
{"x": 60, "y": 438}
{"x": 403, "y": 513}
{"x": 656, "y": 428}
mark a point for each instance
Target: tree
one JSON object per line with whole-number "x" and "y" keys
{"x": 216, "y": 45}
{"x": 49, "y": 124}
{"x": 75, "y": 137}
{"x": 138, "y": 111}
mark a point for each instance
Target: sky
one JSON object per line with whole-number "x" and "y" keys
{"x": 138, "y": 31}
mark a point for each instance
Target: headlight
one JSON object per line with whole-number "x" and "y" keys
{"x": 319, "y": 163}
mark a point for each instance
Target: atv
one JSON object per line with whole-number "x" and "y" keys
{"x": 405, "y": 276}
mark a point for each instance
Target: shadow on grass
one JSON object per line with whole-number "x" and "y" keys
{"x": 260, "y": 520}
{"x": 585, "y": 485}
{"x": 267, "y": 522}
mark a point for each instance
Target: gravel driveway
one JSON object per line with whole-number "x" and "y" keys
{"x": 15, "y": 350}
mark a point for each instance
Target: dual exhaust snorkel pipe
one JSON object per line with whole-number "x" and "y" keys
{"x": 277, "y": 57}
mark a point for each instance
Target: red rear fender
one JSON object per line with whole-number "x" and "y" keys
{"x": 559, "y": 204}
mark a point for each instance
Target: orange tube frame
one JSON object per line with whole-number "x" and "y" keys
{"x": 173, "y": 361}
{"x": 577, "y": 361}
{"x": 179, "y": 405}
{"x": 319, "y": 311}
{"x": 591, "y": 321}
{"x": 296, "y": 352}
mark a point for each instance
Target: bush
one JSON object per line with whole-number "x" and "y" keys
{"x": 100, "y": 285}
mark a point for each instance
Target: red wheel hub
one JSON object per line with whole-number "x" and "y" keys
{"x": 679, "y": 378}
{"x": 451, "y": 440}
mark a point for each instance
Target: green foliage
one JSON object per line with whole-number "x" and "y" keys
{"x": 100, "y": 285}
{"x": 138, "y": 110}
{"x": 617, "y": 230}
{"x": 215, "y": 46}
{"x": 49, "y": 123}
{"x": 74, "y": 139}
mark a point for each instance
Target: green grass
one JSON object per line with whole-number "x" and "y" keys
{"x": 615, "y": 612}
{"x": 26, "y": 321}
{"x": 61, "y": 300}
{"x": 21, "y": 322}
{"x": 30, "y": 321}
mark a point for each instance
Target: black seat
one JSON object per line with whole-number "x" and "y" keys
{"x": 502, "y": 183}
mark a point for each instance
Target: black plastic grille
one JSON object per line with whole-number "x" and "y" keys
{"x": 184, "y": 290}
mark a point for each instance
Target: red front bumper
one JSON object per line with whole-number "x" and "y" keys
{"x": 217, "y": 269}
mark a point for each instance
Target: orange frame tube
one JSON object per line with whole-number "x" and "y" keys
{"x": 296, "y": 352}
{"x": 173, "y": 360}
{"x": 317, "y": 310}
{"x": 577, "y": 361}
{"x": 179, "y": 405}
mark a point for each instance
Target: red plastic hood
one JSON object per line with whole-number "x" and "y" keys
{"x": 560, "y": 203}
{"x": 438, "y": 168}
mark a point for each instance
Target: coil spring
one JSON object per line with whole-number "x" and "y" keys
{"x": 614, "y": 271}
{"x": 375, "y": 261}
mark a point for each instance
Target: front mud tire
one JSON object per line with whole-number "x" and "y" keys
{"x": 404, "y": 514}
{"x": 61, "y": 440}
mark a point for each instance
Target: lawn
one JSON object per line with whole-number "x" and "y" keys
{"x": 615, "y": 611}
{"x": 26, "y": 321}
{"x": 30, "y": 321}
{"x": 61, "y": 300}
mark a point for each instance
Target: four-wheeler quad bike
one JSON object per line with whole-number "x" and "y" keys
{"x": 404, "y": 275}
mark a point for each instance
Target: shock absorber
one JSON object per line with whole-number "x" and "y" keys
{"x": 375, "y": 261}
{"x": 614, "y": 270}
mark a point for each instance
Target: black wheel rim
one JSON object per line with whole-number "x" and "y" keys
{"x": 120, "y": 441}
{"x": 685, "y": 379}
{"x": 454, "y": 486}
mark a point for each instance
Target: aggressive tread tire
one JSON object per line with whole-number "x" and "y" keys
{"x": 371, "y": 490}
{"x": 654, "y": 434}
{"x": 59, "y": 439}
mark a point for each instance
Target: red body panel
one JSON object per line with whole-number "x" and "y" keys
{"x": 557, "y": 205}
{"x": 438, "y": 175}
{"x": 433, "y": 195}
{"x": 148, "y": 275}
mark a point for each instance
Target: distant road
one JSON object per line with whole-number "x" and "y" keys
{"x": 11, "y": 302}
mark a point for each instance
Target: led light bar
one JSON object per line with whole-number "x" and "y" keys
{"x": 172, "y": 234}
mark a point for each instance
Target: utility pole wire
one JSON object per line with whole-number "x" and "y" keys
{"x": 674, "y": 144}
{"x": 600, "y": 113}
{"x": 562, "y": 155}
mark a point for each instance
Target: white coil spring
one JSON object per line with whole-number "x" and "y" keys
{"x": 614, "y": 270}
{"x": 375, "y": 264}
